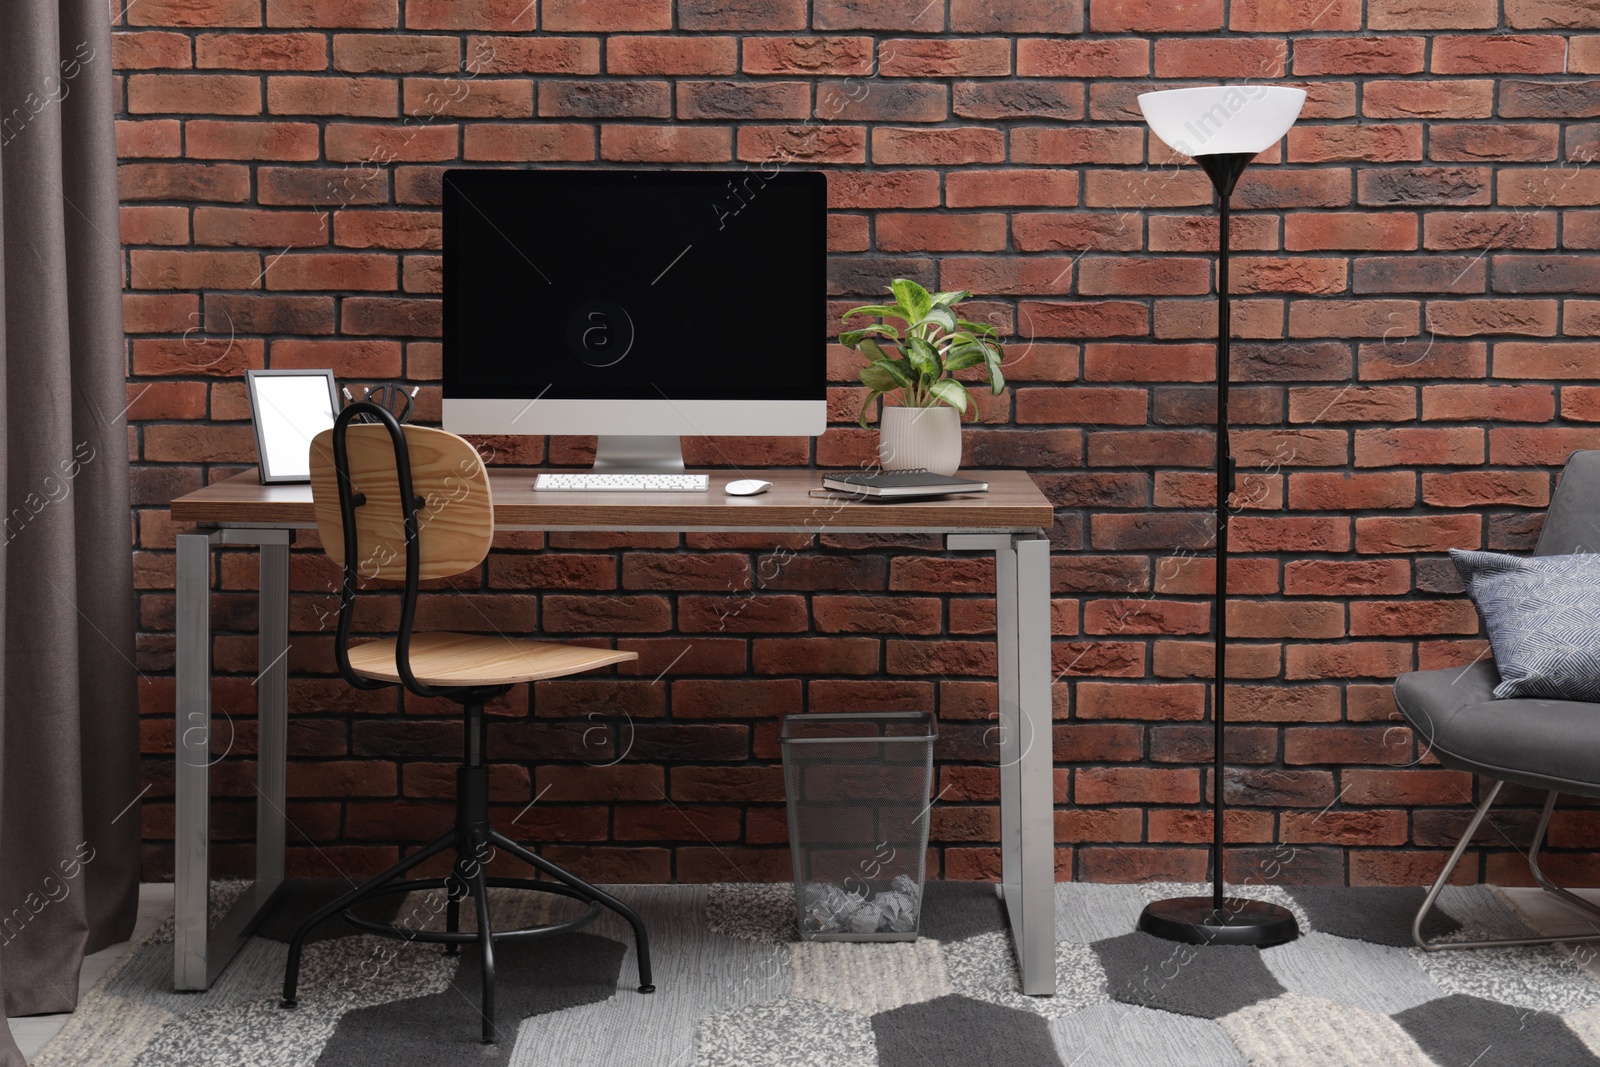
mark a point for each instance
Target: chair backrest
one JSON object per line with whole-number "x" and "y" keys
{"x": 1572, "y": 522}
{"x": 455, "y": 517}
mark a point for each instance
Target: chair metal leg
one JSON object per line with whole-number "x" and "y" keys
{"x": 291, "y": 976}
{"x": 1539, "y": 875}
{"x": 480, "y": 894}
{"x": 452, "y": 921}
{"x": 640, "y": 936}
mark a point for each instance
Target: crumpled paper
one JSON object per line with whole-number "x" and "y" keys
{"x": 832, "y": 909}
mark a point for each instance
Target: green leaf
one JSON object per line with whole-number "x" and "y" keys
{"x": 924, "y": 357}
{"x": 876, "y": 329}
{"x": 866, "y": 406}
{"x": 913, "y": 297}
{"x": 896, "y": 369}
{"x": 950, "y": 392}
{"x": 877, "y": 379}
{"x": 887, "y": 311}
{"x": 851, "y": 338}
{"x": 964, "y": 356}
{"x": 978, "y": 327}
{"x": 941, "y": 318}
{"x": 872, "y": 350}
{"x": 944, "y": 300}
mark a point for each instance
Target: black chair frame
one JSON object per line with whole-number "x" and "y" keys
{"x": 472, "y": 837}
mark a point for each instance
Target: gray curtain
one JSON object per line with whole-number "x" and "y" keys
{"x": 69, "y": 775}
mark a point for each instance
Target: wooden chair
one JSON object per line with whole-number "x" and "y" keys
{"x": 411, "y": 503}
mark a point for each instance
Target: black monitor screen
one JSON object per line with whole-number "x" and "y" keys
{"x": 574, "y": 285}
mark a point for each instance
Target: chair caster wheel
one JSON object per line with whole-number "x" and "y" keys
{"x": 286, "y": 1004}
{"x": 647, "y": 989}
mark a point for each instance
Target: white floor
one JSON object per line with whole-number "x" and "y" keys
{"x": 155, "y": 904}
{"x": 1543, "y": 911}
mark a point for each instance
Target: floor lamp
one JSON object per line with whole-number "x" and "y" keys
{"x": 1222, "y": 128}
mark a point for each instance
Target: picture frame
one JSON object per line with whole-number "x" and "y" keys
{"x": 288, "y": 408}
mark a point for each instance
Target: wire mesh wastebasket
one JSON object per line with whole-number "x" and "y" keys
{"x": 859, "y": 789}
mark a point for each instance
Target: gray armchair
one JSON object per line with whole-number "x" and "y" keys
{"x": 1551, "y": 745}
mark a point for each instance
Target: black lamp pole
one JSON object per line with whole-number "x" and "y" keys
{"x": 1215, "y": 919}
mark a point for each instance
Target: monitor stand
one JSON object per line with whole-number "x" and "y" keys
{"x": 620, "y": 454}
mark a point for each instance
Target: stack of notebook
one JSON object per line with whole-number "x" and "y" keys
{"x": 901, "y": 484}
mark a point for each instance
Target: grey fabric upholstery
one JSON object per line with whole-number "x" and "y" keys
{"x": 1545, "y": 744}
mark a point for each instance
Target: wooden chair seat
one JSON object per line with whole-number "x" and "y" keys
{"x": 448, "y": 659}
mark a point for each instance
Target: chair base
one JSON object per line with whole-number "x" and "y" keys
{"x": 1538, "y": 874}
{"x": 474, "y": 841}
{"x": 1198, "y": 921}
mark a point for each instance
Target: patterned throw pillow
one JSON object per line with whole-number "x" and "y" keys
{"x": 1542, "y": 615}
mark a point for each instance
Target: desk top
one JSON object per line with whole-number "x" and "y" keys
{"x": 1013, "y": 502}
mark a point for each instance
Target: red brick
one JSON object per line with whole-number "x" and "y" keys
{"x": 1469, "y": 318}
{"x": 1533, "y": 359}
{"x": 1145, "y": 616}
{"x": 1295, "y": 16}
{"x": 1547, "y": 187}
{"x": 517, "y": 142}
{"x": 1015, "y": 188}
{"x": 190, "y": 94}
{"x": 150, "y": 50}
{"x": 912, "y": 15}
{"x": 1017, "y": 16}
{"x": 293, "y": 94}
{"x": 535, "y": 55}
{"x": 1473, "y": 403}
{"x": 373, "y": 53}
{"x": 1500, "y": 54}
{"x": 150, "y": 138}
{"x": 374, "y": 145}
{"x": 337, "y": 271}
{"x": 1417, "y": 533}
{"x": 606, "y": 16}
{"x": 1430, "y": 100}
{"x": 1407, "y": 445}
{"x": 1363, "y": 659}
{"x": 350, "y": 358}
{"x": 940, "y": 232}
{"x": 1371, "y": 231}
{"x": 1043, "y": 57}
{"x": 983, "y": 57}
{"x": 425, "y": 99}
{"x": 1358, "y": 55}
{"x": 809, "y": 56}
{"x": 1547, "y": 446}
{"x": 471, "y": 14}
{"x": 195, "y": 270}
{"x": 1370, "y": 618}
{"x": 665, "y": 144}
{"x": 672, "y": 55}
{"x": 193, "y": 13}
{"x": 1174, "y": 16}
{"x": 1136, "y": 785}
{"x": 1337, "y": 491}
{"x": 1353, "y": 318}
{"x": 261, "y": 51}
{"x": 154, "y": 225}
{"x": 1033, "y": 276}
{"x": 1374, "y": 143}
{"x": 1187, "y": 187}
{"x": 248, "y": 226}
{"x": 363, "y": 14}
{"x": 1583, "y": 55}
{"x": 1347, "y": 577}
{"x": 942, "y": 146}
{"x": 1221, "y": 58}
{"x": 282, "y": 141}
{"x": 1414, "y": 15}
{"x": 1489, "y": 229}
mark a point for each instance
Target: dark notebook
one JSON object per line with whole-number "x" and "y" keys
{"x": 902, "y": 484}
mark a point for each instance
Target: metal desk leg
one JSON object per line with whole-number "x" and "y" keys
{"x": 200, "y": 953}
{"x": 1027, "y": 810}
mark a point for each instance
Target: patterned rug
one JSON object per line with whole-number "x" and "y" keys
{"x": 735, "y": 989}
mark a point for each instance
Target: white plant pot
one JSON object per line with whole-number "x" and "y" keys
{"x": 926, "y": 438}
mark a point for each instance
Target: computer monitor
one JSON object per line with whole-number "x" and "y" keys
{"x": 637, "y": 306}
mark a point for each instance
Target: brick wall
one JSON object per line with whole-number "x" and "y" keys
{"x": 1415, "y": 361}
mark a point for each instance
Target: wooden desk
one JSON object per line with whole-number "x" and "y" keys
{"x": 1008, "y": 520}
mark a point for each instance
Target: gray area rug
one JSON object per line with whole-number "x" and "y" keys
{"x": 736, "y": 989}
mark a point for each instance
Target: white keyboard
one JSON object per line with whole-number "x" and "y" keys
{"x": 625, "y": 483}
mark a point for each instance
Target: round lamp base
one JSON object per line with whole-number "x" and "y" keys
{"x": 1197, "y": 921}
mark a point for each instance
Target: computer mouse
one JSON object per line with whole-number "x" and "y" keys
{"x": 746, "y": 487}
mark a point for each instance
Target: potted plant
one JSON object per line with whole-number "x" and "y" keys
{"x": 914, "y": 363}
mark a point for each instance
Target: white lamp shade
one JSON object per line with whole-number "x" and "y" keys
{"x": 1216, "y": 119}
